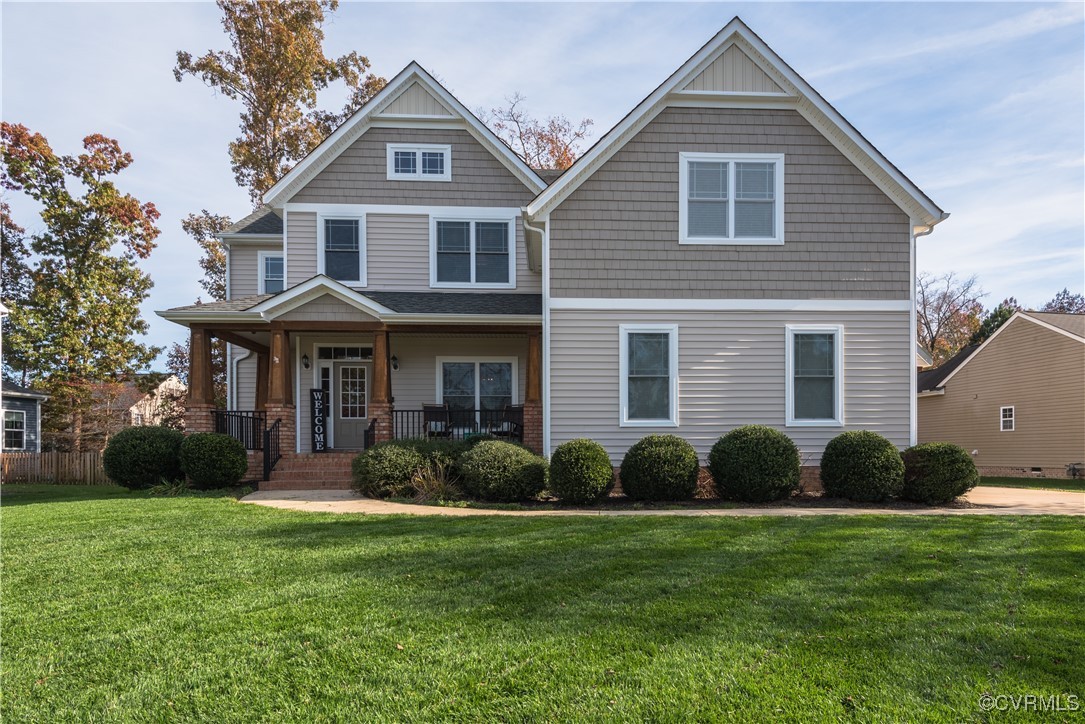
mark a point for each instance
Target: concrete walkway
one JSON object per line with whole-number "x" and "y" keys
{"x": 980, "y": 501}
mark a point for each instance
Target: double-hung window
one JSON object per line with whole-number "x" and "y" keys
{"x": 419, "y": 162}
{"x": 343, "y": 249}
{"x": 731, "y": 198}
{"x": 272, "y": 272}
{"x": 14, "y": 430}
{"x": 648, "y": 368}
{"x": 815, "y": 382}
{"x": 466, "y": 253}
{"x": 1006, "y": 420}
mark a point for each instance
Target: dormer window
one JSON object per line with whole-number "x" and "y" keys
{"x": 423, "y": 162}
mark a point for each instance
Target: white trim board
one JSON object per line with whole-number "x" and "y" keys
{"x": 603, "y": 304}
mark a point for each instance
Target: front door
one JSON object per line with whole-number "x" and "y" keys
{"x": 350, "y": 405}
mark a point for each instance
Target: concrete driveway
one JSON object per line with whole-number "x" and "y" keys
{"x": 980, "y": 501}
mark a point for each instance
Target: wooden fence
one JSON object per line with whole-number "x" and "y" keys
{"x": 63, "y": 468}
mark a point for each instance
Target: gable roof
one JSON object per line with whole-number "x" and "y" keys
{"x": 736, "y": 66}
{"x": 10, "y": 389}
{"x": 412, "y": 89}
{"x": 1068, "y": 325}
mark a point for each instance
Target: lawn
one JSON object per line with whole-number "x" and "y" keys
{"x": 124, "y": 607}
{"x": 1075, "y": 486}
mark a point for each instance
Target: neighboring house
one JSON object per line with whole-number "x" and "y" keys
{"x": 145, "y": 399}
{"x": 22, "y": 418}
{"x": 923, "y": 358}
{"x": 732, "y": 252}
{"x": 1017, "y": 401}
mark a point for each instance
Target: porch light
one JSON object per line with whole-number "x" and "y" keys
{"x": 305, "y": 361}
{"x": 395, "y": 362}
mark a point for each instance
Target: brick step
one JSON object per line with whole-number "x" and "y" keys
{"x": 312, "y": 477}
{"x": 290, "y": 484}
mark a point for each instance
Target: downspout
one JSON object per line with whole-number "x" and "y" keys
{"x": 545, "y": 366}
{"x": 233, "y": 376}
{"x": 913, "y": 384}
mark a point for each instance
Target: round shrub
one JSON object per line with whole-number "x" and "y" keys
{"x": 861, "y": 465}
{"x": 502, "y": 472}
{"x": 139, "y": 457}
{"x": 212, "y": 460}
{"x": 580, "y": 471}
{"x": 755, "y": 464}
{"x": 385, "y": 470}
{"x": 660, "y": 467}
{"x": 937, "y": 472}
{"x": 436, "y": 450}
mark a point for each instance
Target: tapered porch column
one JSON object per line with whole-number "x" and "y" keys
{"x": 533, "y": 421}
{"x": 380, "y": 399}
{"x": 201, "y": 387}
{"x": 280, "y": 389}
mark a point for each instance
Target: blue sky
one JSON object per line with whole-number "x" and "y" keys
{"x": 981, "y": 104}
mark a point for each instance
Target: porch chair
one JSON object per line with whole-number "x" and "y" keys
{"x": 436, "y": 421}
{"x": 511, "y": 423}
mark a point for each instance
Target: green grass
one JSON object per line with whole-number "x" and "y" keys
{"x": 1076, "y": 486}
{"x": 121, "y": 607}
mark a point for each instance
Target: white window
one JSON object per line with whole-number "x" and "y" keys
{"x": 648, "y": 369}
{"x": 815, "y": 378}
{"x": 342, "y": 244}
{"x": 419, "y": 162}
{"x": 476, "y": 390}
{"x": 14, "y": 430}
{"x": 137, "y": 419}
{"x": 472, "y": 253}
{"x": 1006, "y": 420}
{"x": 272, "y": 272}
{"x": 730, "y": 198}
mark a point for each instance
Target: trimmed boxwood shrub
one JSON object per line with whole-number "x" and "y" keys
{"x": 502, "y": 472}
{"x": 755, "y": 464}
{"x": 212, "y": 460}
{"x": 437, "y": 450}
{"x": 660, "y": 467}
{"x": 580, "y": 471}
{"x": 385, "y": 470}
{"x": 937, "y": 472}
{"x": 139, "y": 457}
{"x": 863, "y": 466}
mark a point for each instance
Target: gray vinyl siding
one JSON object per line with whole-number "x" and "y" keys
{"x": 360, "y": 174}
{"x": 31, "y": 409}
{"x": 245, "y": 269}
{"x": 617, "y": 234}
{"x": 731, "y": 373}
{"x": 300, "y": 247}
{"x": 244, "y": 379}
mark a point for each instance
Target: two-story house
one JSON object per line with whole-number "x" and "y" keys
{"x": 732, "y": 252}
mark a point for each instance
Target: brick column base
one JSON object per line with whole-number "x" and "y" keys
{"x": 287, "y": 428}
{"x": 533, "y": 426}
{"x": 198, "y": 417}
{"x": 381, "y": 415}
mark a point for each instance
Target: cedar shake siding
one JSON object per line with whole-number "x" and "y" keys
{"x": 731, "y": 372}
{"x": 1038, "y": 372}
{"x": 617, "y": 234}
{"x": 360, "y": 174}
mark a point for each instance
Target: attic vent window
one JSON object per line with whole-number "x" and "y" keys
{"x": 419, "y": 162}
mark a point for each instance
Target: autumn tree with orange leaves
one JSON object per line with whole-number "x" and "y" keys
{"x": 74, "y": 316}
{"x": 550, "y": 144}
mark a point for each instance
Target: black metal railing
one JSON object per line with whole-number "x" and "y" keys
{"x": 272, "y": 453}
{"x": 246, "y": 426}
{"x": 369, "y": 437}
{"x": 459, "y": 424}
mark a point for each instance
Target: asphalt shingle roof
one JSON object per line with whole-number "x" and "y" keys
{"x": 1072, "y": 323}
{"x": 932, "y": 379}
{"x": 262, "y": 221}
{"x": 237, "y": 304}
{"x": 407, "y": 303}
{"x": 10, "y": 388}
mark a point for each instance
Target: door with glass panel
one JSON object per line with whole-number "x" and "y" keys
{"x": 349, "y": 403}
{"x": 476, "y": 392}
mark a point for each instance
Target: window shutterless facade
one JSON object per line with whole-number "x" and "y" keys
{"x": 1006, "y": 421}
{"x": 648, "y": 369}
{"x": 272, "y": 272}
{"x": 419, "y": 162}
{"x": 472, "y": 253}
{"x": 815, "y": 375}
{"x": 342, "y": 249}
{"x": 14, "y": 430}
{"x": 468, "y": 385}
{"x": 730, "y": 198}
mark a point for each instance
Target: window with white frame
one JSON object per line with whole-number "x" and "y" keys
{"x": 272, "y": 273}
{"x": 343, "y": 249}
{"x": 731, "y": 198}
{"x": 472, "y": 253}
{"x": 14, "y": 430}
{"x": 648, "y": 369}
{"x": 815, "y": 381}
{"x": 425, "y": 162}
{"x": 1006, "y": 419}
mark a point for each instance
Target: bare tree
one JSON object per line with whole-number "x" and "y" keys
{"x": 948, "y": 312}
{"x": 553, "y": 144}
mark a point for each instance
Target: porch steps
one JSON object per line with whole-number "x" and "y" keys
{"x": 311, "y": 471}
